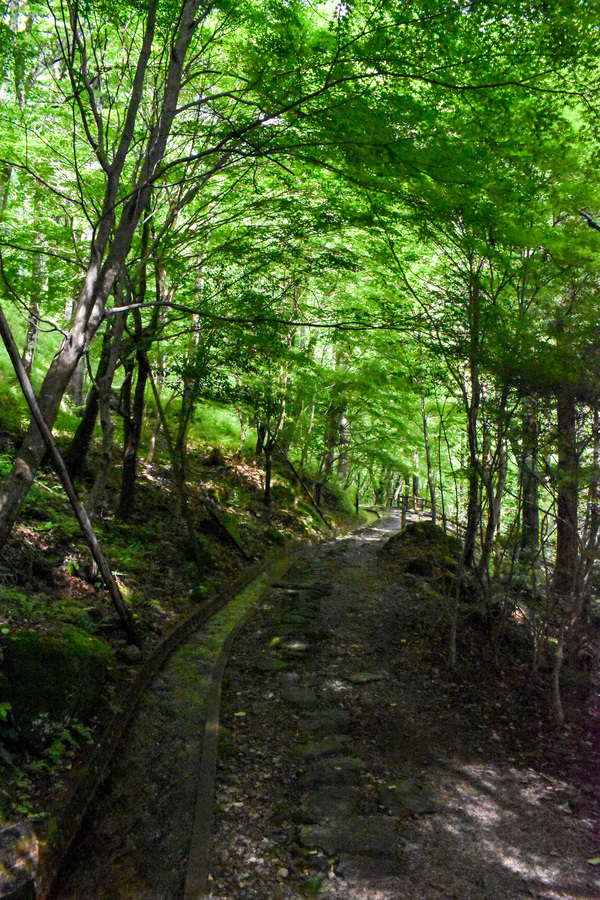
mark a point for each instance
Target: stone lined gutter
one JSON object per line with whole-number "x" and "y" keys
{"x": 69, "y": 822}
{"x": 196, "y": 883}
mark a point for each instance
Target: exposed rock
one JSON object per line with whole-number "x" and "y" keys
{"x": 19, "y": 858}
{"x": 52, "y": 677}
{"x": 132, "y": 653}
{"x": 301, "y": 697}
{"x": 363, "y": 677}
{"x": 270, "y": 664}
{"x": 376, "y": 836}
{"x": 214, "y": 457}
{"x": 404, "y": 798}
{"x": 289, "y": 679}
{"x": 356, "y": 867}
{"x": 426, "y": 538}
{"x": 328, "y": 721}
{"x": 330, "y": 745}
{"x": 334, "y": 770}
{"x": 330, "y": 802}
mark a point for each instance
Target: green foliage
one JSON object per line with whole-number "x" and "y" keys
{"x": 13, "y": 409}
{"x": 5, "y": 464}
{"x": 215, "y": 425}
{"x": 68, "y": 740}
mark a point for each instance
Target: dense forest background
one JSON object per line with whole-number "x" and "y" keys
{"x": 361, "y": 237}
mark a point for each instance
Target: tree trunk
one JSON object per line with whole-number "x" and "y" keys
{"x": 96, "y": 494}
{"x": 156, "y": 425}
{"x": 181, "y": 487}
{"x": 495, "y": 492}
{"x": 430, "y": 470}
{"x": 78, "y": 509}
{"x": 77, "y": 452}
{"x": 76, "y": 455}
{"x": 260, "y": 439}
{"x": 132, "y": 441}
{"x": 472, "y": 402}
{"x": 5, "y": 176}
{"x": 530, "y": 515}
{"x": 39, "y": 279}
{"x": 473, "y": 502}
{"x": 75, "y": 386}
{"x": 495, "y": 484}
{"x": 567, "y": 544}
{"x": 344, "y": 432}
{"x": 31, "y": 336}
{"x": 268, "y": 451}
{"x": 242, "y": 421}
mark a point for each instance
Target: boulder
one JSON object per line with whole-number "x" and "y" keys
{"x": 50, "y": 678}
{"x": 425, "y": 537}
{"x": 424, "y": 550}
{"x": 19, "y": 858}
{"x": 214, "y": 457}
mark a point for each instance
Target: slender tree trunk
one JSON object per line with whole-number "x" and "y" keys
{"x": 77, "y": 452}
{"x": 260, "y": 439}
{"x": 591, "y": 545}
{"x": 157, "y": 422}
{"x": 39, "y": 280}
{"x": 430, "y": 470}
{"x": 104, "y": 392}
{"x": 268, "y": 451}
{"x": 181, "y": 487}
{"x": 134, "y": 433}
{"x": 559, "y": 653}
{"x": 495, "y": 484}
{"x": 473, "y": 502}
{"x": 530, "y": 516}
{"x": 98, "y": 490}
{"x": 416, "y": 485}
{"x": 75, "y": 386}
{"x": 5, "y": 176}
{"x": 441, "y": 479}
{"x": 31, "y": 336}
{"x": 135, "y": 417}
{"x": 472, "y": 401}
{"x": 344, "y": 432}
{"x": 242, "y": 421}
{"x": 567, "y": 544}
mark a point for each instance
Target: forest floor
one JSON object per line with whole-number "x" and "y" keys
{"x": 355, "y": 764}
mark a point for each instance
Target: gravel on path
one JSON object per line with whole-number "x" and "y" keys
{"x": 354, "y": 765}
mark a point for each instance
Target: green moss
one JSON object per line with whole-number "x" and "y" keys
{"x": 275, "y": 537}
{"x": 428, "y": 537}
{"x": 51, "y": 678}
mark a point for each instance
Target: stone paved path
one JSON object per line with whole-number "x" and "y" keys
{"x": 351, "y": 768}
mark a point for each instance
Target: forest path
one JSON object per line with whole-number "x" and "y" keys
{"x": 353, "y": 765}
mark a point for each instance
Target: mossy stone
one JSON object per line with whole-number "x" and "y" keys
{"x": 51, "y": 678}
{"x": 426, "y": 536}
